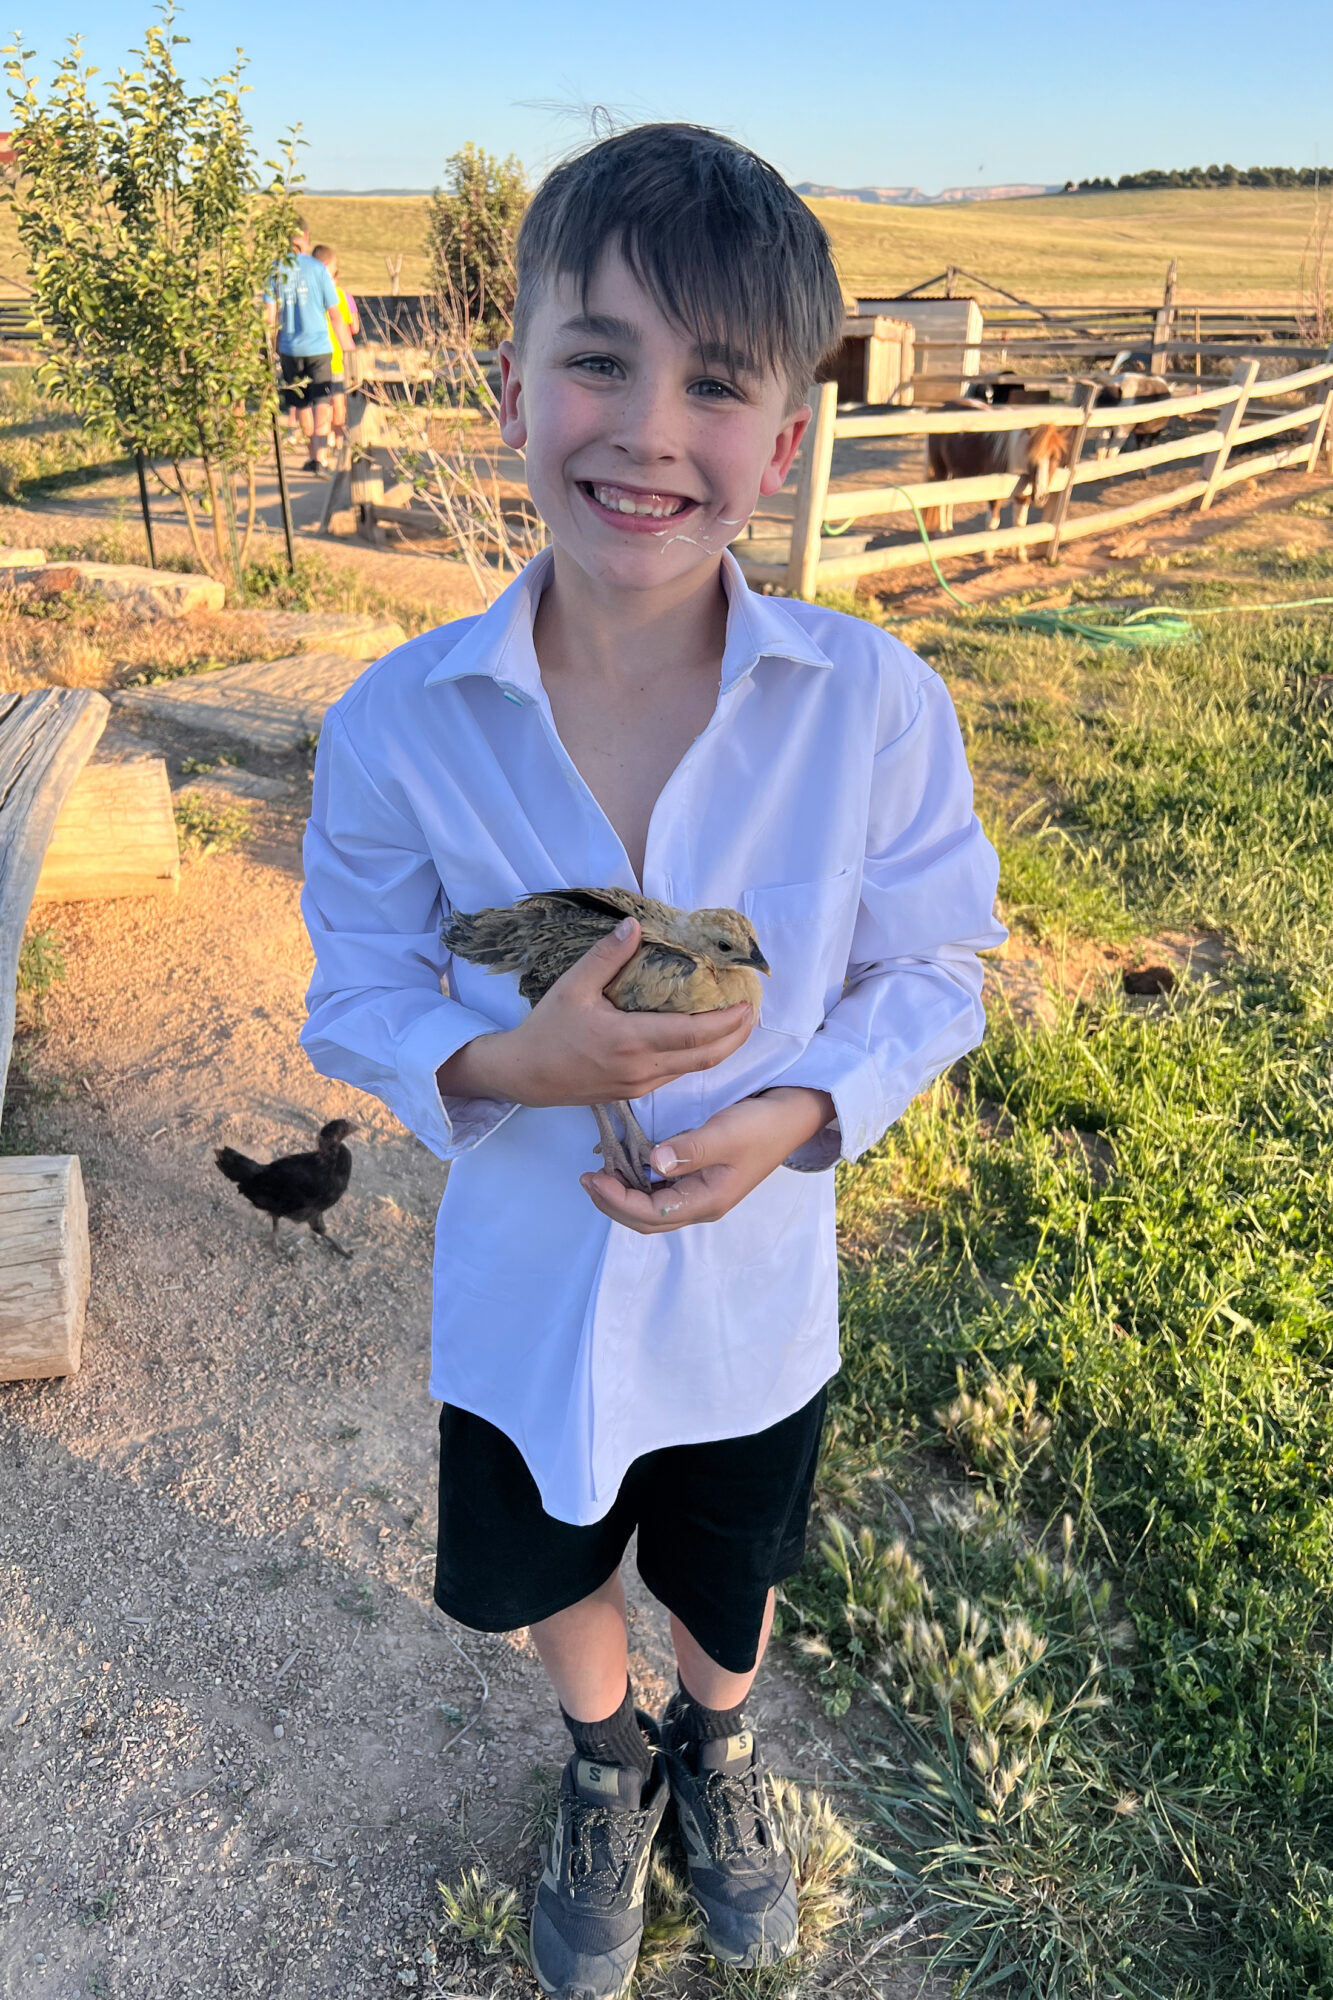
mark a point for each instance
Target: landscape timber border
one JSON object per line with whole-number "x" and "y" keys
{"x": 814, "y": 504}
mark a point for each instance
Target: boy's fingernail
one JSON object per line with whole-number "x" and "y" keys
{"x": 664, "y": 1159}
{"x": 624, "y": 927}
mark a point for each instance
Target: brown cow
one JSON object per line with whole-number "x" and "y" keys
{"x": 1030, "y": 455}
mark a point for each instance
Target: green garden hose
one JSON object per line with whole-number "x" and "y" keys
{"x": 1147, "y": 628}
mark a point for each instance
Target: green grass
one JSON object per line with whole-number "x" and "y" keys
{"x": 44, "y": 447}
{"x": 1091, "y": 1678}
{"x": 205, "y": 828}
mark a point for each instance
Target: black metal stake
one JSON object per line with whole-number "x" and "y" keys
{"x": 286, "y": 502}
{"x": 147, "y": 516}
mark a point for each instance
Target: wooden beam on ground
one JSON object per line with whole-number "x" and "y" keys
{"x": 44, "y": 1266}
{"x": 115, "y": 836}
{"x": 46, "y": 739}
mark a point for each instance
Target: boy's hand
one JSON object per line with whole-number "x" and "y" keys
{"x": 576, "y": 1048}
{"x": 713, "y": 1168}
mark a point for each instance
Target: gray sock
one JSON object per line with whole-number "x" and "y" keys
{"x": 617, "y": 1740}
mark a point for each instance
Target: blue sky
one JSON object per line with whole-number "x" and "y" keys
{"x": 887, "y": 94}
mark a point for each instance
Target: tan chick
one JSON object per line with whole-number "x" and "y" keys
{"x": 688, "y": 962}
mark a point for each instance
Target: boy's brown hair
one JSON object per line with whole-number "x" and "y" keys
{"x": 713, "y": 234}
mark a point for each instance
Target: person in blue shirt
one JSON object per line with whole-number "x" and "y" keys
{"x": 297, "y": 302}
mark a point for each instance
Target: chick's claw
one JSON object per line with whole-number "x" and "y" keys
{"x": 626, "y": 1158}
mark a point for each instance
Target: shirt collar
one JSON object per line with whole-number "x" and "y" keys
{"x": 499, "y": 645}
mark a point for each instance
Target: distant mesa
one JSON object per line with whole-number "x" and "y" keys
{"x": 915, "y": 197}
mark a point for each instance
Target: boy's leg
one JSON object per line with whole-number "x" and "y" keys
{"x": 708, "y": 1684}
{"x": 585, "y": 1652}
{"x": 503, "y": 1561}
{"x": 719, "y": 1525}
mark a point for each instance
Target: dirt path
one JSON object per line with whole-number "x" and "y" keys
{"x": 239, "y": 1744}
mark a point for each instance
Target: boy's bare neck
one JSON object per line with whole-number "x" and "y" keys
{"x": 597, "y": 633}
{"x": 632, "y": 679}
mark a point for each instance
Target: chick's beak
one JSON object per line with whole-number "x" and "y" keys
{"x": 758, "y": 961}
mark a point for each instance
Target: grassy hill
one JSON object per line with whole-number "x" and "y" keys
{"x": 1235, "y": 245}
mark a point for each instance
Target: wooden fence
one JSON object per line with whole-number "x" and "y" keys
{"x": 813, "y": 504}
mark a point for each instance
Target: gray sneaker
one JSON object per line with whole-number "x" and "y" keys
{"x": 740, "y": 1874}
{"x": 587, "y": 1921}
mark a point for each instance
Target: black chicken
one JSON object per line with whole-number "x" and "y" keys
{"x": 300, "y": 1186}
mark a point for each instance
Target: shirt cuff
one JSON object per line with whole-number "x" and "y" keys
{"x": 850, "y": 1077}
{"x": 448, "y": 1125}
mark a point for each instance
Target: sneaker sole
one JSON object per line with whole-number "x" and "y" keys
{"x": 580, "y": 1992}
{"x": 764, "y": 1954}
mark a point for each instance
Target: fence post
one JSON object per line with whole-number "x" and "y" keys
{"x": 817, "y": 464}
{"x": 1242, "y": 376}
{"x": 1063, "y": 499}
{"x": 1165, "y": 320}
{"x": 1319, "y": 428}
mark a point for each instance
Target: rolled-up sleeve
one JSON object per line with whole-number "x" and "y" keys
{"x": 378, "y": 1014}
{"x": 911, "y": 1002}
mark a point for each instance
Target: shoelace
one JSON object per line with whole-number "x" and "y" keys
{"x": 618, "y": 1842}
{"x": 735, "y": 1806}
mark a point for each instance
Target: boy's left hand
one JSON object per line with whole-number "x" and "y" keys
{"x": 709, "y": 1170}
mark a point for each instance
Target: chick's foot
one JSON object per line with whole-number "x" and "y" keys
{"x": 626, "y": 1158}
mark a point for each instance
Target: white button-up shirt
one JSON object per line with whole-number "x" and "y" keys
{"x": 829, "y": 799}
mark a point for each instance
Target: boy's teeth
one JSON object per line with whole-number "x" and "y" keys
{"x": 621, "y": 503}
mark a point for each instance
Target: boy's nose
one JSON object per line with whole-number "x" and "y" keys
{"x": 644, "y": 427}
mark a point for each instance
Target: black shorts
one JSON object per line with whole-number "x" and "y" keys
{"x": 307, "y": 378}
{"x": 718, "y": 1525}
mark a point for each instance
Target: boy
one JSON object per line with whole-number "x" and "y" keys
{"x": 628, "y": 713}
{"x": 297, "y": 301}
{"x": 344, "y": 326}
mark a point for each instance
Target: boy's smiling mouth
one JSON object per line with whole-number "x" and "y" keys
{"x": 634, "y": 506}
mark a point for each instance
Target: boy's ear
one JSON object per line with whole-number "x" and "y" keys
{"x": 513, "y": 424}
{"x": 785, "y": 447}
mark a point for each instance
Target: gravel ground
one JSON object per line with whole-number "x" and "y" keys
{"x": 238, "y": 1744}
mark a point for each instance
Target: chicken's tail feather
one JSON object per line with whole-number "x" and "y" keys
{"x": 485, "y": 937}
{"x": 235, "y": 1165}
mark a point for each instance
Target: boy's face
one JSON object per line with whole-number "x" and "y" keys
{"x": 645, "y": 457}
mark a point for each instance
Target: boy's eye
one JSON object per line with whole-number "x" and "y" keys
{"x": 596, "y": 364}
{"x": 713, "y": 390}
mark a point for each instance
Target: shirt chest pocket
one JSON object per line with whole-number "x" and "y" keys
{"x": 805, "y": 932}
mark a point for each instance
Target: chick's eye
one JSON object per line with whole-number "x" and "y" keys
{"x": 724, "y": 944}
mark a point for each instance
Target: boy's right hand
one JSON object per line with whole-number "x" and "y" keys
{"x": 576, "y": 1048}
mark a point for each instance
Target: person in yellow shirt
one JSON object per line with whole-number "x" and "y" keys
{"x": 344, "y": 326}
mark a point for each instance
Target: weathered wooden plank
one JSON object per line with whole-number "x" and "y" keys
{"x": 1024, "y": 416}
{"x": 1269, "y": 461}
{"x": 44, "y": 1266}
{"x": 901, "y": 555}
{"x": 116, "y": 836}
{"x": 1287, "y": 420}
{"x": 45, "y": 740}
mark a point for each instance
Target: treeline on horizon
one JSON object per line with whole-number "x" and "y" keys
{"x": 1198, "y": 177}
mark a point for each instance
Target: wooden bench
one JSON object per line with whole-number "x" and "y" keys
{"x": 46, "y": 739}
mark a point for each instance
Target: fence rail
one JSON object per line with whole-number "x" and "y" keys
{"x": 812, "y": 504}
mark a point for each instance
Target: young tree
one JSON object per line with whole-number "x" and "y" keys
{"x": 150, "y": 236}
{"x": 470, "y": 235}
